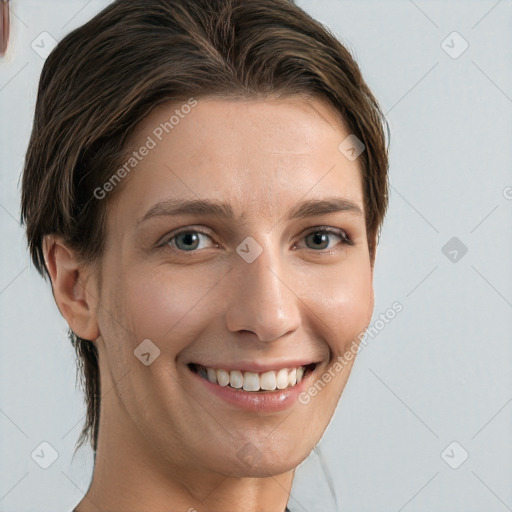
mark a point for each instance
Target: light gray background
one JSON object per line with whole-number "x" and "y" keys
{"x": 439, "y": 372}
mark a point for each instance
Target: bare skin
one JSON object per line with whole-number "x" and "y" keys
{"x": 166, "y": 442}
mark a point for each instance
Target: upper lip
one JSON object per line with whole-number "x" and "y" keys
{"x": 252, "y": 366}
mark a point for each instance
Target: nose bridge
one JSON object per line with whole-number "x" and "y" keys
{"x": 262, "y": 301}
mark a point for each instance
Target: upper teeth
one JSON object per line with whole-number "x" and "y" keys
{"x": 250, "y": 381}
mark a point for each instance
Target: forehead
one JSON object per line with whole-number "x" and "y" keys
{"x": 260, "y": 155}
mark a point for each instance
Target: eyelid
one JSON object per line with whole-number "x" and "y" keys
{"x": 341, "y": 233}
{"x": 165, "y": 240}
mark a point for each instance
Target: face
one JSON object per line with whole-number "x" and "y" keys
{"x": 264, "y": 292}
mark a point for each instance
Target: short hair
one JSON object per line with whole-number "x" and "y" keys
{"x": 107, "y": 75}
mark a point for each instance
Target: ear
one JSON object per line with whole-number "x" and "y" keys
{"x": 74, "y": 287}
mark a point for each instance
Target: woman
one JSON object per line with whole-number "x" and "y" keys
{"x": 204, "y": 186}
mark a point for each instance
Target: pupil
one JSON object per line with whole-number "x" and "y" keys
{"x": 189, "y": 238}
{"x": 319, "y": 238}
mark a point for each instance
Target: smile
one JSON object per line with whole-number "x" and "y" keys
{"x": 252, "y": 381}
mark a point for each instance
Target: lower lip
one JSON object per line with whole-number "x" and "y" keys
{"x": 256, "y": 401}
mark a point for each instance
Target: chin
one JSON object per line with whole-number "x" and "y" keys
{"x": 259, "y": 462}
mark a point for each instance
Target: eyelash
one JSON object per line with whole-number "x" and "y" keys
{"x": 341, "y": 234}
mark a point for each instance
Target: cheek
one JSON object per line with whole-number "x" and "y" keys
{"x": 160, "y": 304}
{"x": 346, "y": 306}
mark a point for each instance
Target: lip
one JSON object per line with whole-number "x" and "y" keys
{"x": 260, "y": 401}
{"x": 251, "y": 366}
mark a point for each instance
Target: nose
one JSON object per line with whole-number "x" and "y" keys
{"x": 262, "y": 297}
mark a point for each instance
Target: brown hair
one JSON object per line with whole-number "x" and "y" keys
{"x": 104, "y": 77}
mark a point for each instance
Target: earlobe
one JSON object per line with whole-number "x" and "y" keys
{"x": 73, "y": 287}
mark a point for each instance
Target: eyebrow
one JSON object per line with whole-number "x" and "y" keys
{"x": 221, "y": 209}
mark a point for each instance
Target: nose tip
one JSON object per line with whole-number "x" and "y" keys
{"x": 263, "y": 303}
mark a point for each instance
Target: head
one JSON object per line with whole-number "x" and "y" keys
{"x": 250, "y": 104}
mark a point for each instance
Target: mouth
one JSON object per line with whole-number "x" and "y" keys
{"x": 254, "y": 382}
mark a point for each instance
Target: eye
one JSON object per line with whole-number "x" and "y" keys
{"x": 321, "y": 236}
{"x": 186, "y": 240}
